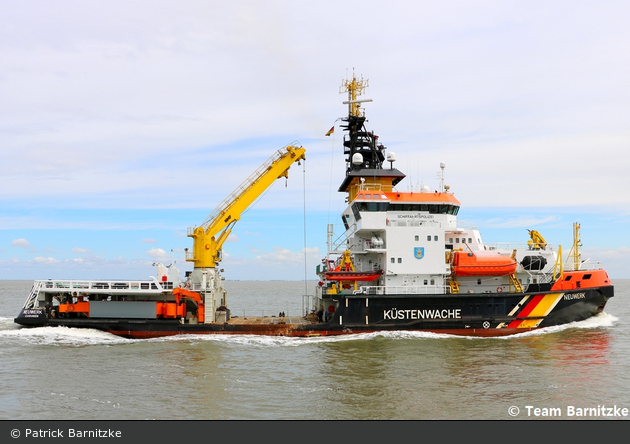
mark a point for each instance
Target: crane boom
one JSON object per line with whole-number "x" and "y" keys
{"x": 208, "y": 238}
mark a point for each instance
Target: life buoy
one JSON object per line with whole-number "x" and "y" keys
{"x": 499, "y": 289}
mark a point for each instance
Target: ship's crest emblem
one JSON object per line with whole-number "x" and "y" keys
{"x": 418, "y": 252}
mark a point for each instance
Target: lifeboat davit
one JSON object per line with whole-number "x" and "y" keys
{"x": 482, "y": 264}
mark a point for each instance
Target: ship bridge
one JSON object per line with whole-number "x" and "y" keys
{"x": 379, "y": 201}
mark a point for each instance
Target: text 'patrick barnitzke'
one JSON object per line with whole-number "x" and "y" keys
{"x": 72, "y": 433}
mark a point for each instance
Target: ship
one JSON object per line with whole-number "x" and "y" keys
{"x": 403, "y": 262}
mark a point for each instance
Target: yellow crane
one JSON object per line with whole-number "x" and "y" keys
{"x": 537, "y": 242}
{"x": 208, "y": 238}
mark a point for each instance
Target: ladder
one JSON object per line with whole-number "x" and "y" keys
{"x": 514, "y": 282}
{"x": 32, "y": 297}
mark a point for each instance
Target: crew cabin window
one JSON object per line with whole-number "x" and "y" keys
{"x": 417, "y": 237}
{"x": 393, "y": 260}
{"x": 400, "y": 260}
{"x": 470, "y": 240}
{"x": 435, "y": 238}
{"x": 428, "y": 238}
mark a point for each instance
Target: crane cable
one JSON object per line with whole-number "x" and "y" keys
{"x": 304, "y": 217}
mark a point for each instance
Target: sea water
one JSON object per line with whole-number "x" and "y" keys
{"x": 74, "y": 374}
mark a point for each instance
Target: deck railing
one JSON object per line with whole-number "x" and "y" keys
{"x": 56, "y": 285}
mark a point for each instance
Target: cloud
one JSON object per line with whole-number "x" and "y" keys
{"x": 158, "y": 254}
{"x": 148, "y": 241}
{"x": 613, "y": 260}
{"x": 281, "y": 255}
{"x": 23, "y": 243}
{"x": 520, "y": 222}
{"x": 78, "y": 250}
{"x": 279, "y": 263}
{"x": 45, "y": 260}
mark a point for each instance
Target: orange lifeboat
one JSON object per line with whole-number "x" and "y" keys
{"x": 344, "y": 271}
{"x": 338, "y": 275}
{"x": 482, "y": 264}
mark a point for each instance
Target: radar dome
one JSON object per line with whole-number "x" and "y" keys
{"x": 357, "y": 159}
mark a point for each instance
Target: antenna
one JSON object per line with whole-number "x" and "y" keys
{"x": 354, "y": 88}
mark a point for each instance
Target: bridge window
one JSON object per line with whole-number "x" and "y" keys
{"x": 346, "y": 218}
{"x": 358, "y": 207}
{"x": 430, "y": 208}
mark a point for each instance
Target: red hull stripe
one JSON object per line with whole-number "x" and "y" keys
{"x": 530, "y": 306}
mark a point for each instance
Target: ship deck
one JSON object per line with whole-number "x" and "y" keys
{"x": 267, "y": 320}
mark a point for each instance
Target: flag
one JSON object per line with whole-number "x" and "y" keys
{"x": 330, "y": 131}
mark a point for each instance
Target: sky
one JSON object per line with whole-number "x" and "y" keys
{"x": 125, "y": 123}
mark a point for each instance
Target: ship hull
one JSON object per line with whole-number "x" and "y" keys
{"x": 481, "y": 315}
